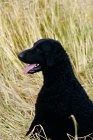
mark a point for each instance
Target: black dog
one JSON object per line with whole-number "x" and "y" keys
{"x": 61, "y": 94}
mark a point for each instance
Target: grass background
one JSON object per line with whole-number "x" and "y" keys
{"x": 21, "y": 24}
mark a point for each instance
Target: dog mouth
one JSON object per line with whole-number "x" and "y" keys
{"x": 32, "y": 68}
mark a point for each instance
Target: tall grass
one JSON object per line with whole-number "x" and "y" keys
{"x": 21, "y": 24}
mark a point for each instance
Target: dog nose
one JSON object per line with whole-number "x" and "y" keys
{"x": 20, "y": 55}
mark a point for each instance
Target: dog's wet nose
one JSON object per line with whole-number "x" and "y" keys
{"x": 20, "y": 55}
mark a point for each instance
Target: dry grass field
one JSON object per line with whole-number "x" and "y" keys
{"x": 21, "y": 24}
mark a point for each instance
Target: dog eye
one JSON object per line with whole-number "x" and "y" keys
{"x": 38, "y": 49}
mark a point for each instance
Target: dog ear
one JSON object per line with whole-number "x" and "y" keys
{"x": 54, "y": 55}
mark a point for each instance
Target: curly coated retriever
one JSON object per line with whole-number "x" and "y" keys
{"x": 61, "y": 94}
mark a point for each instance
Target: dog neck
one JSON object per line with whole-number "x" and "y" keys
{"x": 59, "y": 73}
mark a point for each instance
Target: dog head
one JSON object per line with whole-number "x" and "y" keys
{"x": 44, "y": 53}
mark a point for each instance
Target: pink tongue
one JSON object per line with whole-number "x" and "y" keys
{"x": 28, "y": 68}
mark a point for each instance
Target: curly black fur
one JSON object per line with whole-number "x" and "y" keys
{"x": 61, "y": 94}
